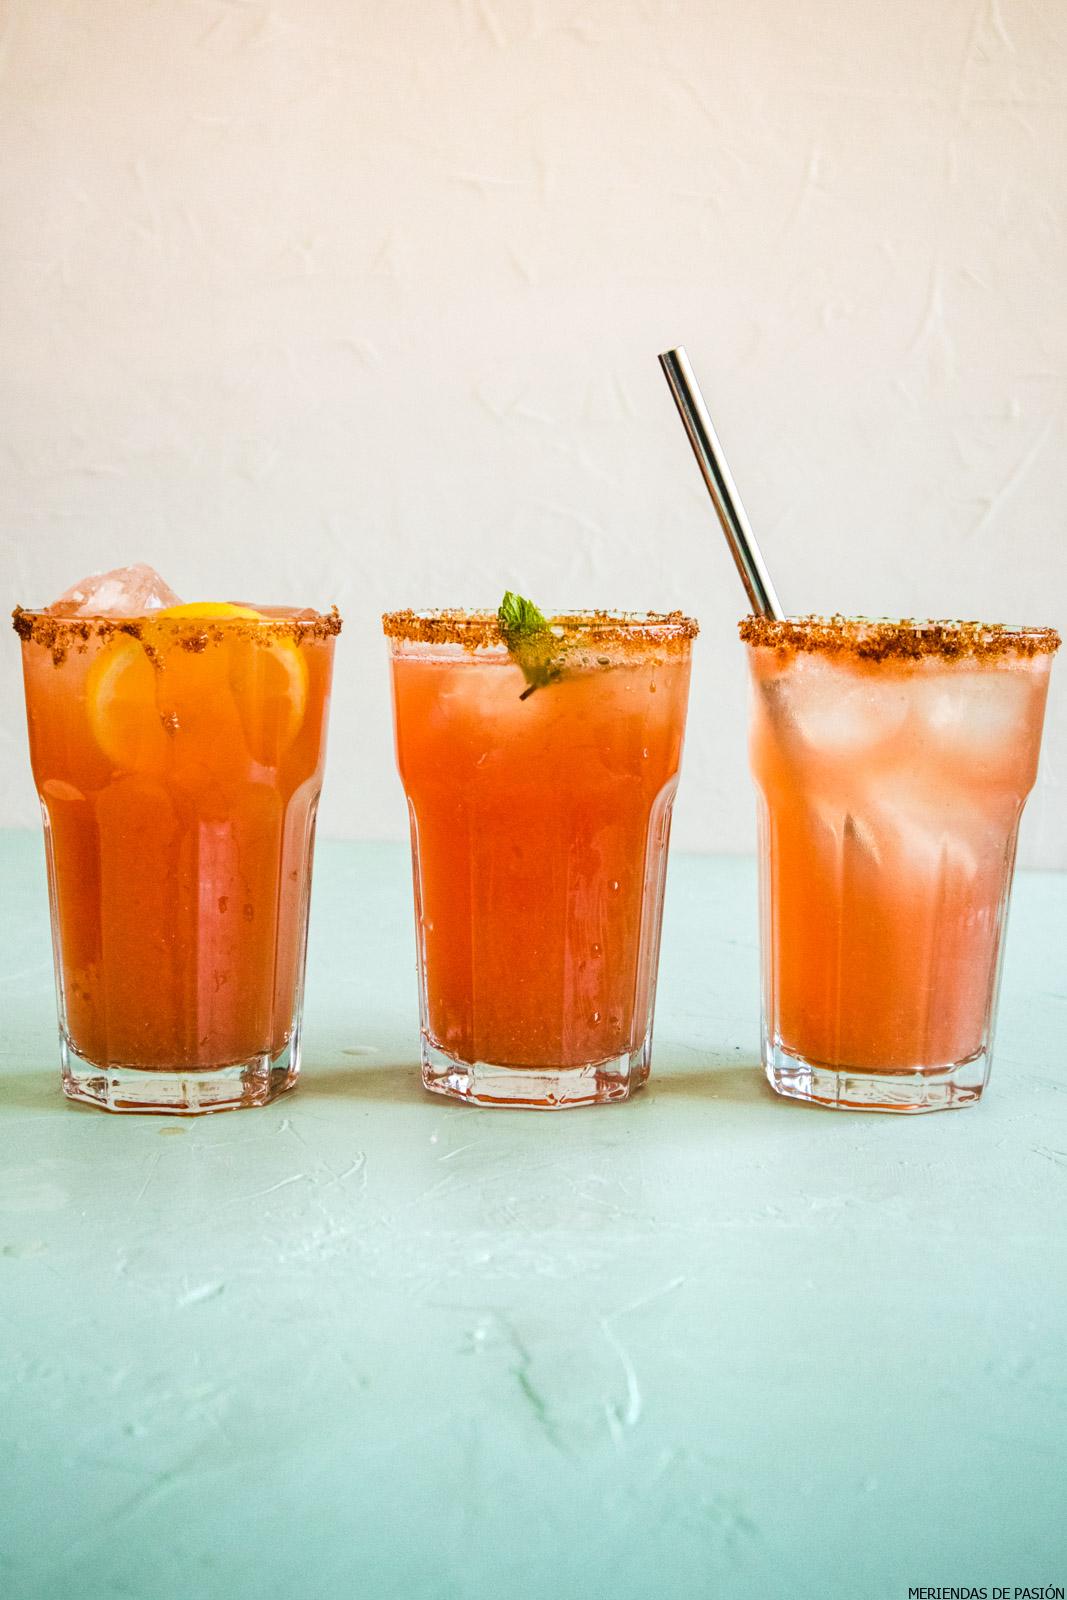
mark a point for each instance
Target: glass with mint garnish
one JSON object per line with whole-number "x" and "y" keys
{"x": 540, "y": 757}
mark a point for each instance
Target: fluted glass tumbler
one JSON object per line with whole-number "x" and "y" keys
{"x": 540, "y": 818}
{"x": 892, "y": 762}
{"x": 178, "y": 758}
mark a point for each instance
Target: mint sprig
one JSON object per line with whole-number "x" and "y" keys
{"x": 531, "y": 643}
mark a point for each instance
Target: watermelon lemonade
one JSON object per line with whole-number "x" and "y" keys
{"x": 540, "y": 779}
{"x": 892, "y": 762}
{"x": 178, "y": 754}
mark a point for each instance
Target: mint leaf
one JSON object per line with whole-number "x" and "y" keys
{"x": 519, "y": 617}
{"x": 531, "y": 643}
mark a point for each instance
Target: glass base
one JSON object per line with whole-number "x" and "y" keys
{"x": 180, "y": 1093}
{"x": 481, "y": 1083}
{"x": 850, "y": 1089}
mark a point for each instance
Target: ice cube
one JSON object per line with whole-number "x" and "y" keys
{"x": 928, "y": 826}
{"x": 835, "y": 709}
{"x": 978, "y": 713}
{"x": 122, "y": 592}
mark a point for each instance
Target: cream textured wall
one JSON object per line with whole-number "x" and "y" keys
{"x": 314, "y": 300}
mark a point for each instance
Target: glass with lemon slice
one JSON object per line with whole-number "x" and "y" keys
{"x": 178, "y": 756}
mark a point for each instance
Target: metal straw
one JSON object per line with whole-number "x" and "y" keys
{"x": 725, "y": 498}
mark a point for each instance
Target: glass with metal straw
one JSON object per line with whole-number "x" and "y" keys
{"x": 892, "y": 761}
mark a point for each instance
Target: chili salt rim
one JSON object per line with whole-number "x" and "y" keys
{"x": 881, "y": 639}
{"x": 479, "y": 630}
{"x": 60, "y": 634}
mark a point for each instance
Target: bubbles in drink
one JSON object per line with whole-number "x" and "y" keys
{"x": 122, "y": 592}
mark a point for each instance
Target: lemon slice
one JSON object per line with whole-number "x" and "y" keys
{"x": 141, "y": 696}
{"x": 268, "y": 679}
{"x": 269, "y": 682}
{"x": 120, "y": 696}
{"x": 206, "y": 610}
{"x": 160, "y": 638}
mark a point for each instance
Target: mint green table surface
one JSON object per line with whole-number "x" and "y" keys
{"x": 367, "y": 1343}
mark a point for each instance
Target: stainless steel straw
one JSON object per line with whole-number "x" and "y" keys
{"x": 725, "y": 498}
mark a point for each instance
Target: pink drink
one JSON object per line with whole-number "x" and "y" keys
{"x": 539, "y": 826}
{"x": 893, "y": 761}
{"x": 178, "y": 755}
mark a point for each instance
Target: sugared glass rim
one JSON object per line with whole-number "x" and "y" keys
{"x": 481, "y": 630}
{"x": 906, "y": 638}
{"x": 60, "y": 634}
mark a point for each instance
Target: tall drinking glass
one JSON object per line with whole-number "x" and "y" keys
{"x": 892, "y": 762}
{"x": 540, "y": 821}
{"x": 178, "y": 758}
